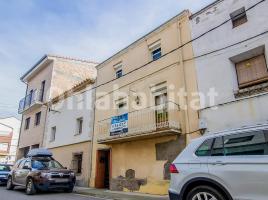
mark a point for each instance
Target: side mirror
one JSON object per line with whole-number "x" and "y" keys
{"x": 27, "y": 168}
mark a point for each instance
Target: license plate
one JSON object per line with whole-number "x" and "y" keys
{"x": 61, "y": 180}
{"x": 3, "y": 176}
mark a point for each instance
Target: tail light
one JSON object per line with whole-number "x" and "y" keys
{"x": 173, "y": 169}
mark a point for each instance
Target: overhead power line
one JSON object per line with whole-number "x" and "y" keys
{"x": 183, "y": 45}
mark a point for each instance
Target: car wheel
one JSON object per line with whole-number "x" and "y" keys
{"x": 30, "y": 188}
{"x": 204, "y": 193}
{"x": 10, "y": 185}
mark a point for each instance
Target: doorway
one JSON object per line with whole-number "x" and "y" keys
{"x": 103, "y": 169}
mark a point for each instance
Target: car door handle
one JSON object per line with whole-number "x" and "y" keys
{"x": 218, "y": 163}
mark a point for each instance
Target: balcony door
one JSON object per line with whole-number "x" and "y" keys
{"x": 161, "y": 112}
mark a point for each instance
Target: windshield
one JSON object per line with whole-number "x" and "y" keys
{"x": 46, "y": 163}
{"x": 5, "y": 168}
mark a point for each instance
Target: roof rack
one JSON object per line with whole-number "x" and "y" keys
{"x": 42, "y": 152}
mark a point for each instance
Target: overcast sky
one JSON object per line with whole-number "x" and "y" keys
{"x": 88, "y": 29}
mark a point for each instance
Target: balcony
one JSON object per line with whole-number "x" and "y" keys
{"x": 31, "y": 101}
{"x": 155, "y": 121}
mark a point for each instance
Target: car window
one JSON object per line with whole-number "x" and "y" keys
{"x": 205, "y": 148}
{"x": 21, "y": 164}
{"x": 217, "y": 149}
{"x": 17, "y": 164}
{"x": 5, "y": 168}
{"x": 27, "y": 164}
{"x": 46, "y": 163}
{"x": 249, "y": 143}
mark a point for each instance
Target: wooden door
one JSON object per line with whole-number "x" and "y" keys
{"x": 102, "y": 169}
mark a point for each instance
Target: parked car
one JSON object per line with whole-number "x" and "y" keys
{"x": 40, "y": 171}
{"x": 223, "y": 166}
{"x": 4, "y": 171}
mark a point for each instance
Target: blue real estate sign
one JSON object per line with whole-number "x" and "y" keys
{"x": 119, "y": 125}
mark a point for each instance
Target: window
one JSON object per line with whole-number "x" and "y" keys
{"x": 77, "y": 162}
{"x": 156, "y": 54}
{"x": 161, "y": 111}
{"x": 251, "y": 143}
{"x": 27, "y": 123}
{"x": 53, "y": 134}
{"x": 118, "y": 69}
{"x": 37, "y": 118}
{"x": 217, "y": 149}
{"x": 79, "y": 122}
{"x": 4, "y": 146}
{"x": 205, "y": 148}
{"x": 42, "y": 91}
{"x": 122, "y": 107}
{"x": 119, "y": 73}
{"x": 252, "y": 71}
{"x": 239, "y": 17}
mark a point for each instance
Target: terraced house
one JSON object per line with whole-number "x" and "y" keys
{"x": 69, "y": 129}
{"x": 48, "y": 78}
{"x": 141, "y": 122}
{"x": 232, "y": 59}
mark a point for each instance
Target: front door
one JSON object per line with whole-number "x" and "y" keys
{"x": 103, "y": 169}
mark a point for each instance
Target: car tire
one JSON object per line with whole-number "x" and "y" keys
{"x": 10, "y": 185}
{"x": 204, "y": 192}
{"x": 30, "y": 188}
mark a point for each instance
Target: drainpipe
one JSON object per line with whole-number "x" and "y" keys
{"x": 92, "y": 137}
{"x": 181, "y": 57}
{"x": 21, "y": 124}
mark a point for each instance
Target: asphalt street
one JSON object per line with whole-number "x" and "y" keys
{"x": 19, "y": 194}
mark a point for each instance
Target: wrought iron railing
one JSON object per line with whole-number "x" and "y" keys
{"x": 34, "y": 97}
{"x": 144, "y": 121}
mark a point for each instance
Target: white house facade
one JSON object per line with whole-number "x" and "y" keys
{"x": 231, "y": 59}
{"x": 69, "y": 129}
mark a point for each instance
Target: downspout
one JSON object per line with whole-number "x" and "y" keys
{"x": 21, "y": 123}
{"x": 92, "y": 138}
{"x": 187, "y": 126}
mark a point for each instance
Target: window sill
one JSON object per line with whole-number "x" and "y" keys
{"x": 252, "y": 90}
{"x": 77, "y": 134}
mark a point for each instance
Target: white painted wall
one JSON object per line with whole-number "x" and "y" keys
{"x": 68, "y": 110}
{"x": 217, "y": 71}
{"x": 15, "y": 124}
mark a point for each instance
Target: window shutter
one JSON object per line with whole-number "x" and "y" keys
{"x": 252, "y": 71}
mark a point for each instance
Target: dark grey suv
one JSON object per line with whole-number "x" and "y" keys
{"x": 40, "y": 172}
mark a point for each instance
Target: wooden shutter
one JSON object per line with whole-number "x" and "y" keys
{"x": 252, "y": 71}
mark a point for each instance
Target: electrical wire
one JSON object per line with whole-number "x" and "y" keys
{"x": 181, "y": 46}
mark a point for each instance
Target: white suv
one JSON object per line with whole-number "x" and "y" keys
{"x": 231, "y": 165}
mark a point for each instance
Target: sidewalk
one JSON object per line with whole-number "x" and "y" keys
{"x": 111, "y": 195}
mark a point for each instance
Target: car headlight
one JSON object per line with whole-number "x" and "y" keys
{"x": 72, "y": 174}
{"x": 45, "y": 175}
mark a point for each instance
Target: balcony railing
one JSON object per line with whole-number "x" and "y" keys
{"x": 34, "y": 98}
{"x": 145, "y": 123}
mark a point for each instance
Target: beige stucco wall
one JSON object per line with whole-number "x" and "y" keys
{"x": 140, "y": 155}
{"x": 64, "y": 155}
{"x": 60, "y": 74}
{"x": 67, "y": 73}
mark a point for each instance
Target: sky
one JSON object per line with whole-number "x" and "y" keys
{"x": 87, "y": 29}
